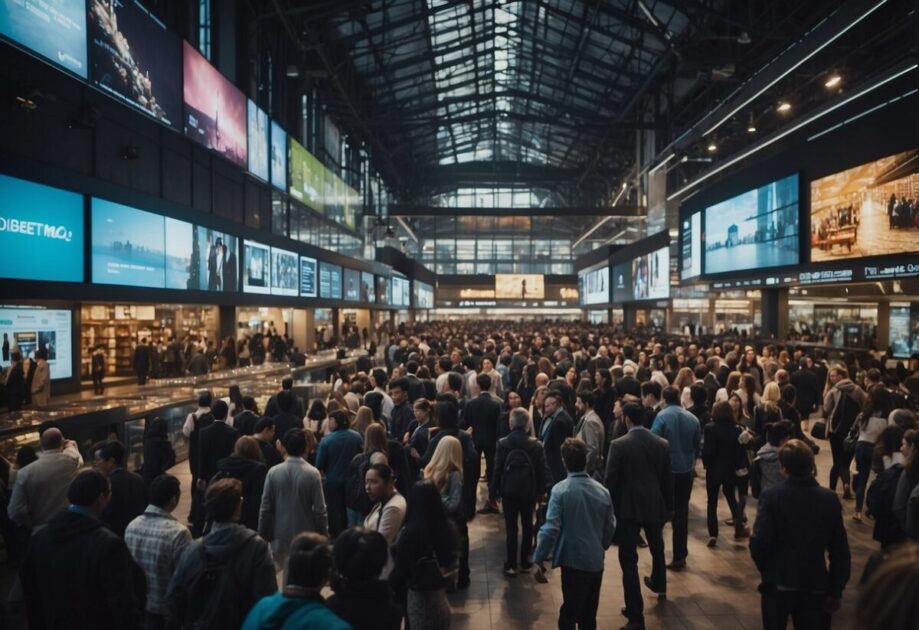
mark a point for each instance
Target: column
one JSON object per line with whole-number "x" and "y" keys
{"x": 774, "y": 306}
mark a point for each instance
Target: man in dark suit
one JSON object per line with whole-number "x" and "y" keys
{"x": 805, "y": 382}
{"x": 129, "y": 493}
{"x": 483, "y": 415}
{"x": 628, "y": 384}
{"x": 640, "y": 481}
{"x": 556, "y": 427}
{"x": 798, "y": 527}
{"x": 286, "y": 417}
{"x": 215, "y": 442}
{"x": 142, "y": 361}
{"x": 415, "y": 386}
{"x": 287, "y": 385}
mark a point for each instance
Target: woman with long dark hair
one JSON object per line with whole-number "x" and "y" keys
{"x": 868, "y": 426}
{"x": 721, "y": 455}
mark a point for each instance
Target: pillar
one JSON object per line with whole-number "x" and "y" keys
{"x": 882, "y": 339}
{"x": 774, "y": 306}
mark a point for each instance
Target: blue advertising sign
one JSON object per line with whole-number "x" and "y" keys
{"x": 53, "y": 30}
{"x": 128, "y": 246}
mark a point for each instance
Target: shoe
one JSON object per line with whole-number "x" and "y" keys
{"x": 510, "y": 571}
{"x": 741, "y": 533}
{"x": 847, "y": 494}
{"x": 526, "y": 567}
{"x": 712, "y": 542}
{"x": 677, "y": 565}
{"x": 650, "y": 585}
{"x": 462, "y": 582}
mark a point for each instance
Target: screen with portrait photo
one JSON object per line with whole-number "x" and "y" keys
{"x": 519, "y": 286}
{"x": 285, "y": 272}
{"x": 128, "y": 246}
{"x": 134, "y": 58}
{"x": 308, "y": 277}
{"x": 352, "y": 288}
{"x": 368, "y": 288}
{"x": 26, "y": 330}
{"x": 256, "y": 268}
{"x": 651, "y": 275}
{"x": 867, "y": 210}
{"x": 594, "y": 285}
{"x": 278, "y": 156}
{"x": 215, "y": 109}
{"x": 257, "y": 140}
{"x": 199, "y": 258}
{"x": 54, "y": 30}
{"x": 754, "y": 230}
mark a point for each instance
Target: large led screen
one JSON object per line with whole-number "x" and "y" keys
{"x": 400, "y": 292}
{"x": 868, "y": 210}
{"x": 519, "y": 286}
{"x": 285, "y": 272}
{"x": 651, "y": 275}
{"x": 382, "y": 290}
{"x": 622, "y": 283}
{"x": 200, "y": 258}
{"x": 41, "y": 232}
{"x": 307, "y": 183}
{"x": 256, "y": 268}
{"x": 215, "y": 110}
{"x": 135, "y": 58}
{"x": 26, "y": 330}
{"x": 53, "y": 29}
{"x": 424, "y": 295}
{"x": 352, "y": 280}
{"x": 307, "y": 277}
{"x": 755, "y": 230}
{"x": 904, "y": 330}
{"x": 368, "y": 288}
{"x": 278, "y": 156}
{"x": 593, "y": 286}
{"x": 258, "y": 141}
{"x": 127, "y": 245}
{"x": 691, "y": 246}
{"x": 329, "y": 281}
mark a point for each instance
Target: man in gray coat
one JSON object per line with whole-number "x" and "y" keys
{"x": 292, "y": 501}
{"x": 40, "y": 491}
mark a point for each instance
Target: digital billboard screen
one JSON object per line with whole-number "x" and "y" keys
{"x": 691, "y": 246}
{"x": 593, "y": 286}
{"x": 329, "y": 281}
{"x": 622, "y": 283}
{"x": 400, "y": 292}
{"x": 200, "y": 258}
{"x": 127, "y": 245}
{"x": 134, "y": 58}
{"x": 215, "y": 109}
{"x": 754, "y": 230}
{"x": 52, "y": 29}
{"x": 306, "y": 176}
{"x": 46, "y": 224}
{"x": 368, "y": 288}
{"x": 867, "y": 210}
{"x": 29, "y": 329}
{"x": 352, "y": 289}
{"x": 424, "y": 295}
{"x": 256, "y": 268}
{"x": 285, "y": 272}
{"x": 308, "y": 277}
{"x": 519, "y": 286}
{"x": 382, "y": 290}
{"x": 651, "y": 275}
{"x": 257, "y": 140}
{"x": 278, "y": 156}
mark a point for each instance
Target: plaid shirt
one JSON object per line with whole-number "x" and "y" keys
{"x": 157, "y": 541}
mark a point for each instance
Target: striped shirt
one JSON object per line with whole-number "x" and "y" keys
{"x": 157, "y": 541}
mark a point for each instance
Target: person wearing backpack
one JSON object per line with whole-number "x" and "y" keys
{"x": 521, "y": 479}
{"x": 222, "y": 575}
{"x": 842, "y": 403}
{"x": 883, "y": 490}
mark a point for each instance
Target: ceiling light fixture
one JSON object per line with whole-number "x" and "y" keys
{"x": 292, "y": 71}
{"x": 784, "y": 107}
{"x": 833, "y": 80}
{"x": 751, "y": 126}
{"x": 744, "y": 38}
{"x": 712, "y": 146}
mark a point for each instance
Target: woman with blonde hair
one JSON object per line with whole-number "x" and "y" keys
{"x": 445, "y": 470}
{"x": 683, "y": 380}
{"x": 362, "y": 419}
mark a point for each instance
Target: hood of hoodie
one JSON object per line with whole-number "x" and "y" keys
{"x": 228, "y": 540}
{"x": 238, "y": 467}
{"x": 69, "y": 525}
{"x": 768, "y": 453}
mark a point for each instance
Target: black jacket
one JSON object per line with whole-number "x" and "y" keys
{"x": 270, "y": 454}
{"x": 142, "y": 359}
{"x": 798, "y": 524}
{"x": 639, "y": 477}
{"x": 245, "y": 422}
{"x": 272, "y": 409}
{"x": 562, "y": 427}
{"x": 128, "y": 500}
{"x": 366, "y": 606}
{"x": 159, "y": 457}
{"x": 252, "y": 475}
{"x": 628, "y": 385}
{"x": 78, "y": 574}
{"x": 16, "y": 387}
{"x": 722, "y": 454}
{"x": 215, "y": 442}
{"x": 805, "y": 381}
{"x": 284, "y": 422}
{"x": 518, "y": 439}
{"x": 483, "y": 414}
{"x": 402, "y": 416}
{"x": 605, "y": 403}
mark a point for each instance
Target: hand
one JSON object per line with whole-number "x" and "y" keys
{"x": 831, "y": 605}
{"x": 540, "y": 573}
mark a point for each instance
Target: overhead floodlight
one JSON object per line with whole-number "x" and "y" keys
{"x": 751, "y": 126}
{"x": 833, "y": 80}
{"x": 784, "y": 107}
{"x": 744, "y": 38}
{"x": 292, "y": 71}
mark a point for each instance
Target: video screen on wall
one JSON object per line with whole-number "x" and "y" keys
{"x": 256, "y": 268}
{"x": 352, "y": 280}
{"x": 329, "y": 281}
{"x": 382, "y": 290}
{"x": 754, "y": 230}
{"x": 868, "y": 210}
{"x": 519, "y": 286}
{"x": 215, "y": 109}
{"x": 904, "y": 330}
{"x": 52, "y": 29}
{"x": 26, "y": 330}
{"x": 424, "y": 295}
{"x": 308, "y": 277}
{"x": 41, "y": 232}
{"x": 199, "y": 258}
{"x": 691, "y": 246}
{"x": 622, "y": 283}
{"x": 285, "y": 272}
{"x": 136, "y": 59}
{"x": 400, "y": 292}
{"x": 368, "y": 288}
{"x": 257, "y": 140}
{"x": 306, "y": 176}
{"x": 278, "y": 156}
{"x": 127, "y": 245}
{"x": 651, "y": 275}
{"x": 593, "y": 285}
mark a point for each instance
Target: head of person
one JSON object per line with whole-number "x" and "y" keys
{"x": 90, "y": 489}
{"x": 220, "y": 409}
{"x": 723, "y": 412}
{"x": 247, "y": 447}
{"x": 379, "y": 482}
{"x": 777, "y": 433}
{"x": 650, "y": 393}
{"x": 287, "y": 383}
{"x": 223, "y": 500}
{"x": 771, "y": 394}
{"x": 889, "y": 599}
{"x": 375, "y": 438}
{"x": 358, "y": 557}
{"x": 574, "y": 455}
{"x": 671, "y": 396}
{"x": 205, "y": 399}
{"x": 488, "y": 365}
{"x": 340, "y": 420}
{"x": 378, "y": 376}
{"x": 910, "y": 450}
{"x": 698, "y": 395}
{"x": 51, "y": 440}
{"x": 108, "y": 456}
{"x": 317, "y": 410}
{"x": 797, "y": 460}
{"x": 513, "y": 399}
{"x": 309, "y": 563}
{"x": 585, "y": 401}
{"x": 165, "y": 492}
{"x": 264, "y": 429}
{"x": 446, "y": 410}
{"x": 398, "y": 390}
{"x": 789, "y": 394}
{"x": 425, "y": 511}
{"x": 837, "y": 373}
{"x": 903, "y": 418}
{"x": 483, "y": 380}
{"x": 552, "y": 402}
{"x": 518, "y": 419}
{"x": 633, "y": 415}
{"x": 736, "y": 405}
{"x": 293, "y": 443}
{"x": 422, "y": 409}
{"x": 374, "y": 402}
{"x": 603, "y": 378}
{"x": 25, "y": 456}
{"x": 447, "y": 458}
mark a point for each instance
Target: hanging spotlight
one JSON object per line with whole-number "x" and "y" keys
{"x": 751, "y": 126}
{"x": 784, "y": 107}
{"x": 712, "y": 145}
{"x": 833, "y": 80}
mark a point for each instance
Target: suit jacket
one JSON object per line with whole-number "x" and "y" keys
{"x": 128, "y": 500}
{"x": 292, "y": 503}
{"x": 805, "y": 381}
{"x": 41, "y": 384}
{"x": 215, "y": 442}
{"x": 142, "y": 359}
{"x": 639, "y": 477}
{"x": 628, "y": 385}
{"x": 483, "y": 414}
{"x": 553, "y": 433}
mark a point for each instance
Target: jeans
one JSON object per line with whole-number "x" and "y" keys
{"x": 840, "y": 468}
{"x": 580, "y": 599}
{"x": 805, "y": 609}
{"x": 355, "y": 518}
{"x": 682, "y": 489}
{"x": 864, "y": 451}
{"x": 514, "y": 510}
{"x": 627, "y": 534}
{"x": 727, "y": 487}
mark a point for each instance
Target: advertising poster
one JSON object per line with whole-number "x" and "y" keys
{"x": 127, "y": 246}
{"x": 622, "y": 283}
{"x": 25, "y": 330}
{"x": 278, "y": 156}
{"x": 368, "y": 288}
{"x": 352, "y": 280}
{"x": 53, "y": 29}
{"x": 691, "y": 246}
{"x": 258, "y": 141}
{"x": 594, "y": 286}
{"x": 307, "y": 184}
{"x": 285, "y": 272}
{"x": 519, "y": 286}
{"x": 200, "y": 258}
{"x": 424, "y": 295}
{"x": 307, "y": 277}
{"x": 256, "y": 268}
{"x": 329, "y": 281}
{"x": 651, "y": 275}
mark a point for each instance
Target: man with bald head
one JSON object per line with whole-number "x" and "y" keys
{"x": 40, "y": 491}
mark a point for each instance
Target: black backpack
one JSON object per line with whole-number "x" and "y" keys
{"x": 213, "y": 598}
{"x": 845, "y": 413}
{"x": 518, "y": 479}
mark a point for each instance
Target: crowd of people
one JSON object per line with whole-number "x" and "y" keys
{"x": 588, "y": 438}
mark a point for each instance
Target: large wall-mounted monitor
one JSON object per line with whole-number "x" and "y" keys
{"x": 278, "y": 156}
{"x": 215, "y": 109}
{"x": 134, "y": 58}
{"x": 256, "y": 268}
{"x": 520, "y": 286}
{"x": 593, "y": 286}
{"x": 285, "y": 272}
{"x": 41, "y": 232}
{"x": 622, "y": 283}
{"x": 306, "y": 176}
{"x": 755, "y": 230}
{"x": 128, "y": 246}
{"x": 30, "y": 329}
{"x": 200, "y": 258}
{"x": 383, "y": 290}
{"x": 691, "y": 246}
{"x": 399, "y": 292}
{"x": 308, "y": 274}
{"x": 329, "y": 281}
{"x": 352, "y": 280}
{"x": 368, "y": 288}
{"x": 651, "y": 275}
{"x": 867, "y": 210}
{"x": 55, "y": 30}
{"x": 424, "y": 295}
{"x": 257, "y": 140}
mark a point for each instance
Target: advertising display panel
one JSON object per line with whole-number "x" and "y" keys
{"x": 519, "y": 286}
{"x": 257, "y": 140}
{"x": 593, "y": 286}
{"x": 128, "y": 245}
{"x": 285, "y": 272}
{"x": 200, "y": 258}
{"x": 308, "y": 273}
{"x": 278, "y": 156}
{"x": 55, "y": 31}
{"x": 29, "y": 329}
{"x": 651, "y": 275}
{"x": 256, "y": 268}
